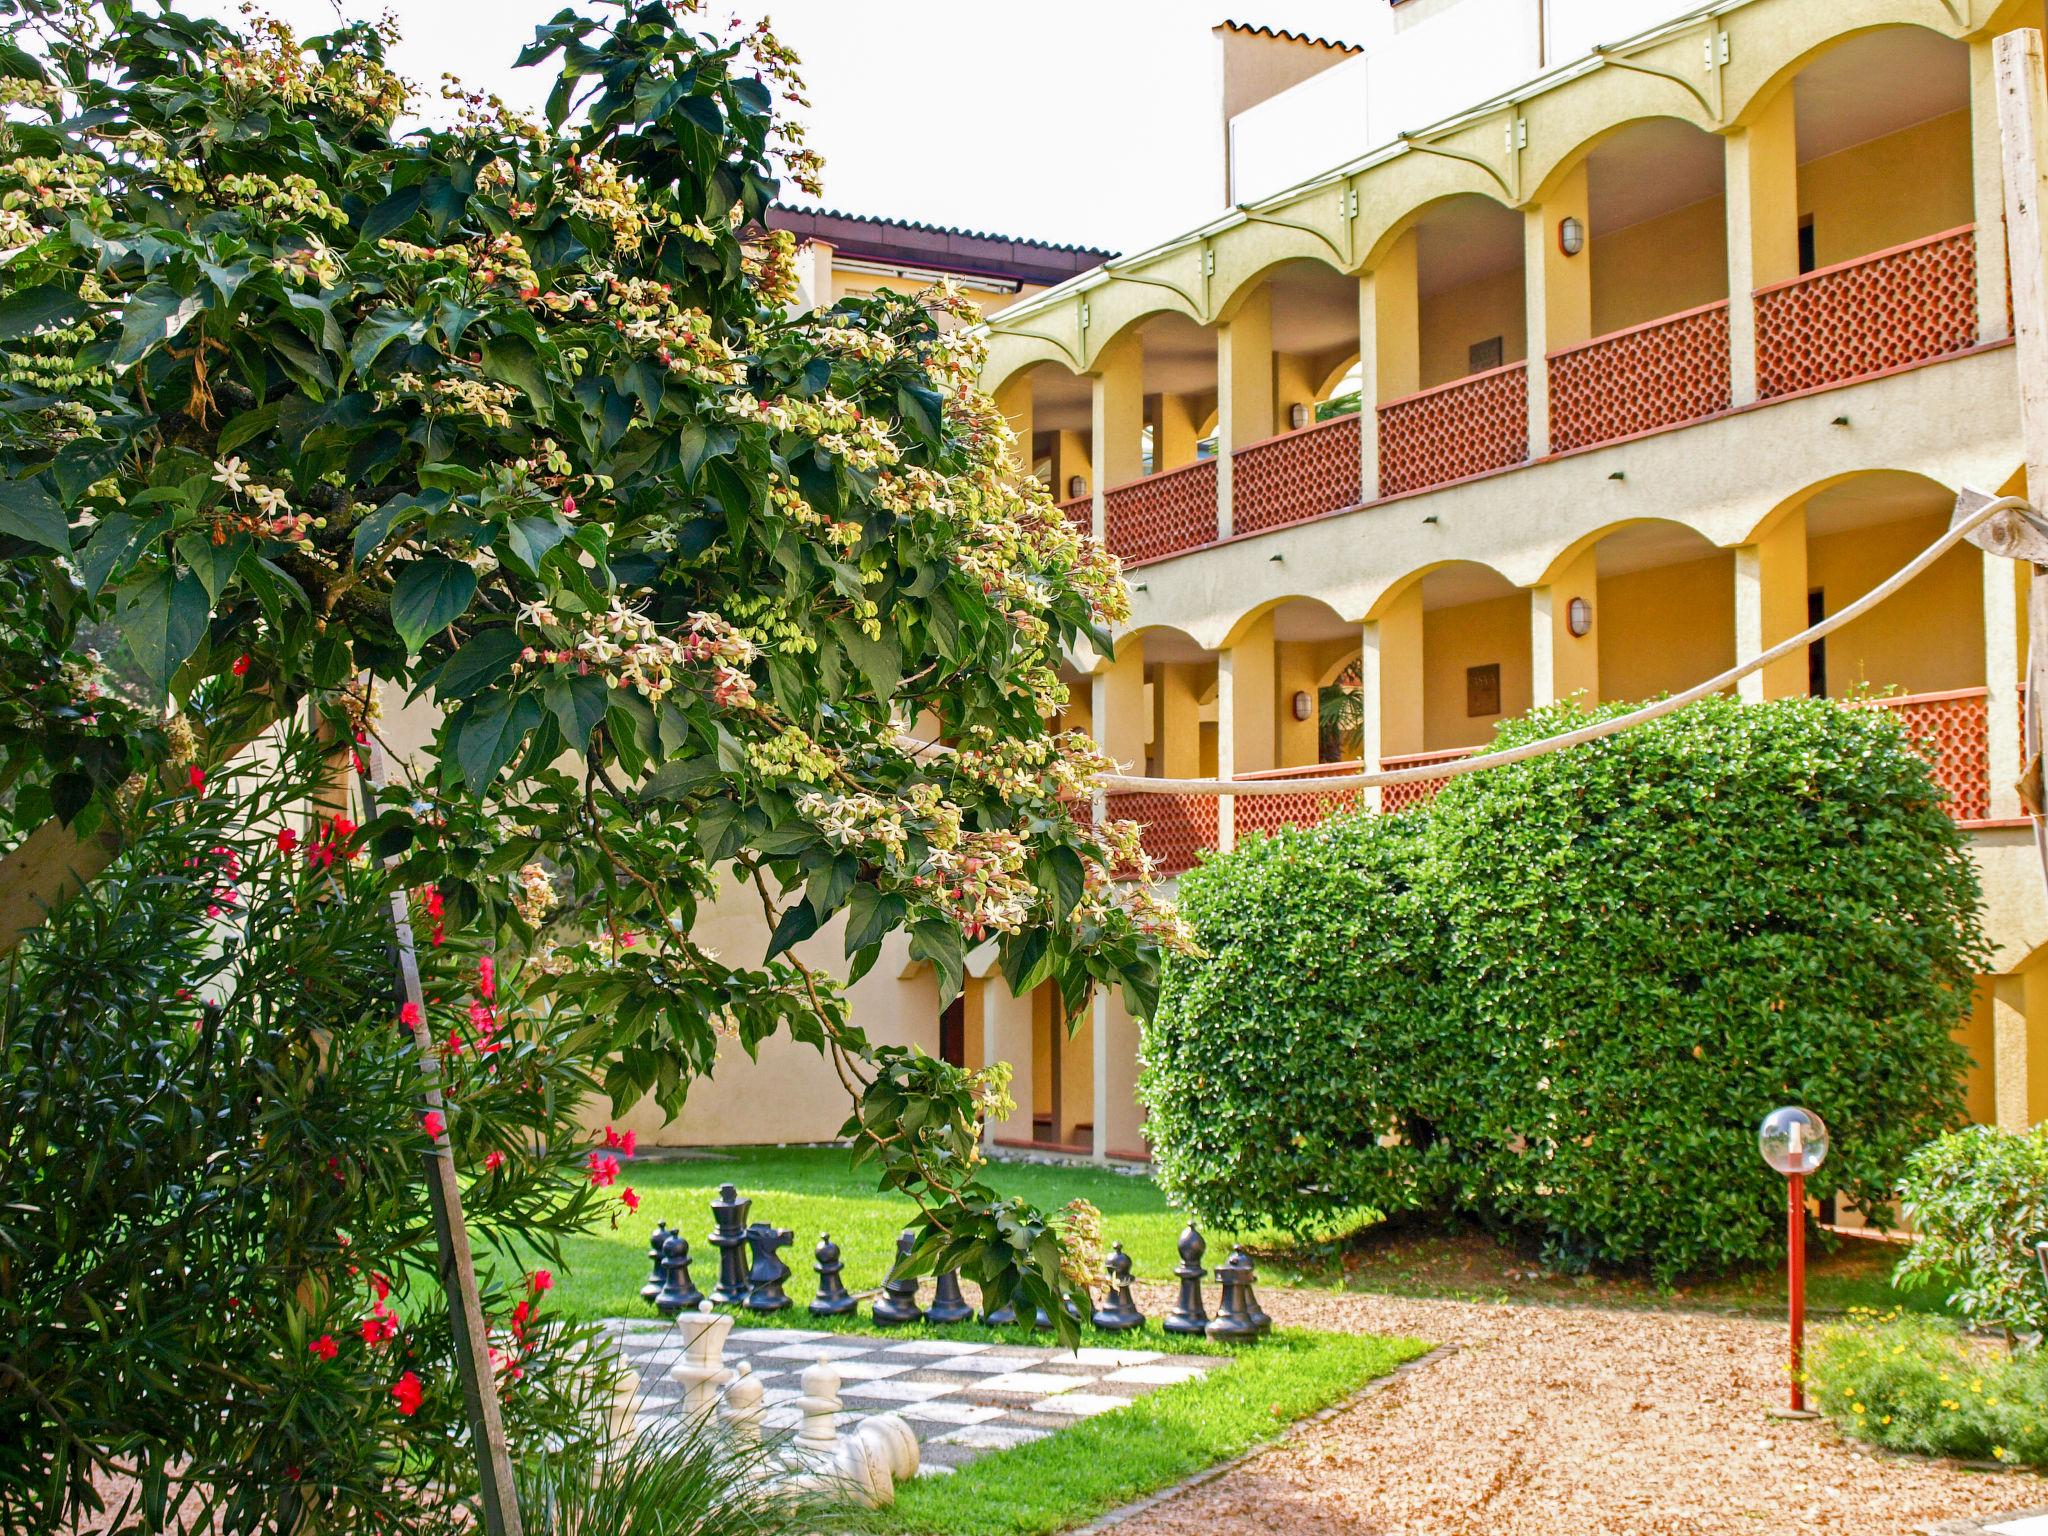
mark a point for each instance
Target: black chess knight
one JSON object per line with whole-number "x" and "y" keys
{"x": 764, "y": 1280}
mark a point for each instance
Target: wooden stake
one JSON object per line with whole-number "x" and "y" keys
{"x": 451, "y": 1238}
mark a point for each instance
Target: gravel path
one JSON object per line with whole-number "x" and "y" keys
{"x": 1551, "y": 1421}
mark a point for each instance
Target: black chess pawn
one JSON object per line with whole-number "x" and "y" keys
{"x": 764, "y": 1280}
{"x": 997, "y": 1317}
{"x": 678, "y": 1291}
{"x": 729, "y": 1237}
{"x": 656, "y": 1259}
{"x": 1189, "y": 1315}
{"x": 948, "y": 1304}
{"x": 1252, "y": 1309}
{"x": 897, "y": 1304}
{"x": 1121, "y": 1313}
{"x": 833, "y": 1299}
{"x": 1232, "y": 1321}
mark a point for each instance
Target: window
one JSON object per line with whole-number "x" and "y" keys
{"x": 1806, "y": 261}
{"x": 953, "y": 1033}
{"x": 1817, "y": 651}
{"x": 1482, "y": 355}
{"x": 1482, "y": 690}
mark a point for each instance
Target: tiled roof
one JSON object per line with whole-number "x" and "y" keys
{"x": 1280, "y": 34}
{"x": 968, "y": 252}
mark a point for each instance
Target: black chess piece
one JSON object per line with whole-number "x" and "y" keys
{"x": 1189, "y": 1315}
{"x": 948, "y": 1304}
{"x": 678, "y": 1291}
{"x": 764, "y": 1280}
{"x": 998, "y": 1317}
{"x": 1252, "y": 1309}
{"x": 833, "y": 1299}
{"x": 656, "y": 1259}
{"x": 1232, "y": 1321}
{"x": 729, "y": 1237}
{"x": 1040, "y": 1320}
{"x": 1121, "y": 1314}
{"x": 897, "y": 1304}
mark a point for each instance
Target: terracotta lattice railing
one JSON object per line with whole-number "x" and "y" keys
{"x": 1269, "y": 813}
{"x": 1292, "y": 478}
{"x": 1950, "y": 730}
{"x": 1162, "y": 514}
{"x": 1177, "y": 827}
{"x": 1462, "y": 428}
{"x": 1079, "y": 513}
{"x": 1648, "y": 376}
{"x": 1401, "y": 797}
{"x": 1886, "y": 310}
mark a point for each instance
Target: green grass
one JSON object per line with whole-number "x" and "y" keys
{"x": 813, "y": 1190}
{"x": 1100, "y": 1463}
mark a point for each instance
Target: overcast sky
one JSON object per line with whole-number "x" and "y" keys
{"x": 1091, "y": 122}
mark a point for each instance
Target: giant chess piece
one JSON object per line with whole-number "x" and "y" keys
{"x": 1233, "y": 1321}
{"x": 657, "y": 1259}
{"x": 1252, "y": 1309}
{"x": 678, "y": 1291}
{"x": 817, "y": 1438}
{"x": 701, "y": 1372}
{"x": 1188, "y": 1314}
{"x": 729, "y": 1237}
{"x": 740, "y": 1412}
{"x": 764, "y": 1280}
{"x": 948, "y": 1305}
{"x": 897, "y": 1304}
{"x": 833, "y": 1299}
{"x": 1121, "y": 1313}
{"x": 997, "y": 1317}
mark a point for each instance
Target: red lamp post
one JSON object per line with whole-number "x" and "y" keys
{"x": 1795, "y": 1142}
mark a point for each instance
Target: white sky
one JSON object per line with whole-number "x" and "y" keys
{"x": 1090, "y": 122}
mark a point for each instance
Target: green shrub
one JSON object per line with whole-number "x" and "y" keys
{"x": 1917, "y": 1384}
{"x": 1576, "y": 984}
{"x": 1978, "y": 1199}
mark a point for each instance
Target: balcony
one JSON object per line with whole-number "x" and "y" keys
{"x": 1162, "y": 514}
{"x": 1648, "y": 376}
{"x": 1891, "y": 309}
{"x": 1177, "y": 827}
{"x": 1403, "y": 797}
{"x": 1951, "y": 732}
{"x": 1080, "y": 514}
{"x": 1455, "y": 430}
{"x": 1296, "y": 476}
{"x": 1269, "y": 813}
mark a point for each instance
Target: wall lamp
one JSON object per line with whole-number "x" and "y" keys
{"x": 1571, "y": 235}
{"x": 1578, "y": 617}
{"x": 1076, "y": 486}
{"x": 1297, "y": 415}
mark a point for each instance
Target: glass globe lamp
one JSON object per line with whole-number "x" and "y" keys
{"x": 1793, "y": 1140}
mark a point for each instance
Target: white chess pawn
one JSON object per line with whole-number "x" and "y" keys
{"x": 625, "y": 1401}
{"x": 862, "y": 1464}
{"x": 701, "y": 1371}
{"x": 741, "y": 1411}
{"x": 817, "y": 1438}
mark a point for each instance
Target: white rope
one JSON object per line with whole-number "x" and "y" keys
{"x": 1343, "y": 783}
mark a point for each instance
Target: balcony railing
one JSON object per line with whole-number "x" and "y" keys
{"x": 1402, "y": 797}
{"x": 1294, "y": 477}
{"x": 1648, "y": 376}
{"x": 1466, "y": 427}
{"x": 1856, "y": 318}
{"x": 1269, "y": 813}
{"x": 1949, "y": 729}
{"x": 1079, "y": 513}
{"x": 1162, "y": 514}
{"x": 1177, "y": 827}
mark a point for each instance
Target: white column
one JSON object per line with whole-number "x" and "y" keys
{"x": 2002, "y": 682}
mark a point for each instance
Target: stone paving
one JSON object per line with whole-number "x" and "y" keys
{"x": 963, "y": 1399}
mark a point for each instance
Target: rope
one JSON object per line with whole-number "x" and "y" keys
{"x": 1337, "y": 784}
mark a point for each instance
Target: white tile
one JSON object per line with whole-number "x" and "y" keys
{"x": 816, "y": 1351}
{"x": 898, "y": 1391}
{"x": 933, "y": 1347}
{"x": 933, "y": 1469}
{"x": 981, "y": 1365}
{"x": 1112, "y": 1356}
{"x": 1037, "y": 1382}
{"x": 2029, "y": 1525}
{"x": 773, "y": 1335}
{"x": 870, "y": 1370}
{"x": 1084, "y": 1405}
{"x": 992, "y": 1437}
{"x": 1156, "y": 1375}
{"x": 946, "y": 1411}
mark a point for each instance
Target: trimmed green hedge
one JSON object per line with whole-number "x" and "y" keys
{"x": 1562, "y": 996}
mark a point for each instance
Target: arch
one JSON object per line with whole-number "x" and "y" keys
{"x": 1376, "y": 254}
{"x": 1664, "y": 533}
{"x": 1319, "y": 615}
{"x": 1402, "y": 585}
{"x": 1603, "y": 138}
{"x": 1238, "y": 288}
{"x": 1799, "y": 499}
{"x": 1764, "y": 94}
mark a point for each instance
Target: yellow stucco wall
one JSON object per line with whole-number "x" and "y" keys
{"x": 1454, "y": 320}
{"x": 1472, "y": 635}
{"x": 1907, "y": 184}
{"x": 1660, "y": 266}
{"x": 1928, "y": 638}
{"x": 1665, "y": 628}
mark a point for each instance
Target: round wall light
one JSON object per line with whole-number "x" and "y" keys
{"x": 1578, "y": 617}
{"x": 1076, "y": 486}
{"x": 1297, "y": 415}
{"x": 1571, "y": 235}
{"x": 1304, "y": 706}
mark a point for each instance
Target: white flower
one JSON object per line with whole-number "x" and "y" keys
{"x": 269, "y": 498}
{"x": 232, "y": 474}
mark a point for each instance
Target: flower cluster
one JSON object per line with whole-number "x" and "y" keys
{"x": 981, "y": 883}
{"x": 500, "y": 258}
{"x": 534, "y": 897}
{"x": 628, "y": 650}
{"x": 643, "y": 311}
{"x": 299, "y": 195}
{"x": 269, "y": 514}
{"x": 836, "y": 426}
{"x": 456, "y": 394}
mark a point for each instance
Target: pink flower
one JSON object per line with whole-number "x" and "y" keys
{"x": 409, "y": 1015}
{"x": 486, "y": 977}
{"x": 287, "y": 840}
{"x": 628, "y": 1199}
{"x": 408, "y": 1393}
{"x": 604, "y": 1170}
{"x": 324, "y": 1347}
{"x": 493, "y": 1162}
{"x": 432, "y": 1123}
{"x": 542, "y": 1280}
{"x": 568, "y": 506}
{"x": 620, "y": 1141}
{"x": 196, "y": 776}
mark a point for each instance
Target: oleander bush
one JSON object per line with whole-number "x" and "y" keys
{"x": 1560, "y": 998}
{"x": 1920, "y": 1384}
{"x": 1978, "y": 1201}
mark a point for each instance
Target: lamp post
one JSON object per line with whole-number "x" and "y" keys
{"x": 1795, "y": 1142}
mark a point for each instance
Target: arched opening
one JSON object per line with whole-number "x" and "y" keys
{"x": 1475, "y": 655}
{"x": 1662, "y": 610}
{"x": 1179, "y": 386}
{"x": 1470, "y": 311}
{"x": 1656, "y": 241}
{"x": 1057, "y": 410}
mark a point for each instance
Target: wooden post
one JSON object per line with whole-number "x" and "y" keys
{"x": 451, "y": 1238}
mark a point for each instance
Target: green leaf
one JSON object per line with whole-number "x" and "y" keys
{"x": 513, "y": 360}
{"x": 879, "y": 660}
{"x": 481, "y": 662}
{"x": 162, "y": 617}
{"x": 27, "y": 511}
{"x": 798, "y": 922}
{"x": 486, "y": 737}
{"x": 379, "y": 331}
{"x": 429, "y": 595}
{"x": 578, "y": 704}
{"x": 155, "y": 313}
{"x": 31, "y": 308}
{"x": 940, "y": 942}
{"x": 212, "y": 563}
{"x": 922, "y": 412}
{"x": 871, "y": 915}
{"x": 530, "y": 539}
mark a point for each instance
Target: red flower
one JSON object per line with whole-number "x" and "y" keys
{"x": 241, "y": 665}
{"x": 408, "y": 1394}
{"x": 196, "y": 776}
{"x": 604, "y": 1170}
{"x": 380, "y": 1327}
{"x": 287, "y": 840}
{"x": 453, "y": 1045}
{"x": 324, "y": 1347}
{"x": 380, "y": 1285}
{"x": 568, "y": 506}
{"x": 409, "y": 1015}
{"x": 542, "y": 1280}
{"x": 432, "y": 1123}
{"x": 493, "y": 1162}
{"x": 628, "y": 1199}
{"x": 486, "y": 977}
{"x": 621, "y": 1141}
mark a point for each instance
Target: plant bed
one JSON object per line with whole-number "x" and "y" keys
{"x": 1923, "y": 1385}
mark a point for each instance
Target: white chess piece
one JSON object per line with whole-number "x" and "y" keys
{"x": 897, "y": 1440}
{"x": 862, "y": 1464}
{"x": 741, "y": 1410}
{"x": 817, "y": 1438}
{"x": 701, "y": 1371}
{"x": 625, "y": 1402}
